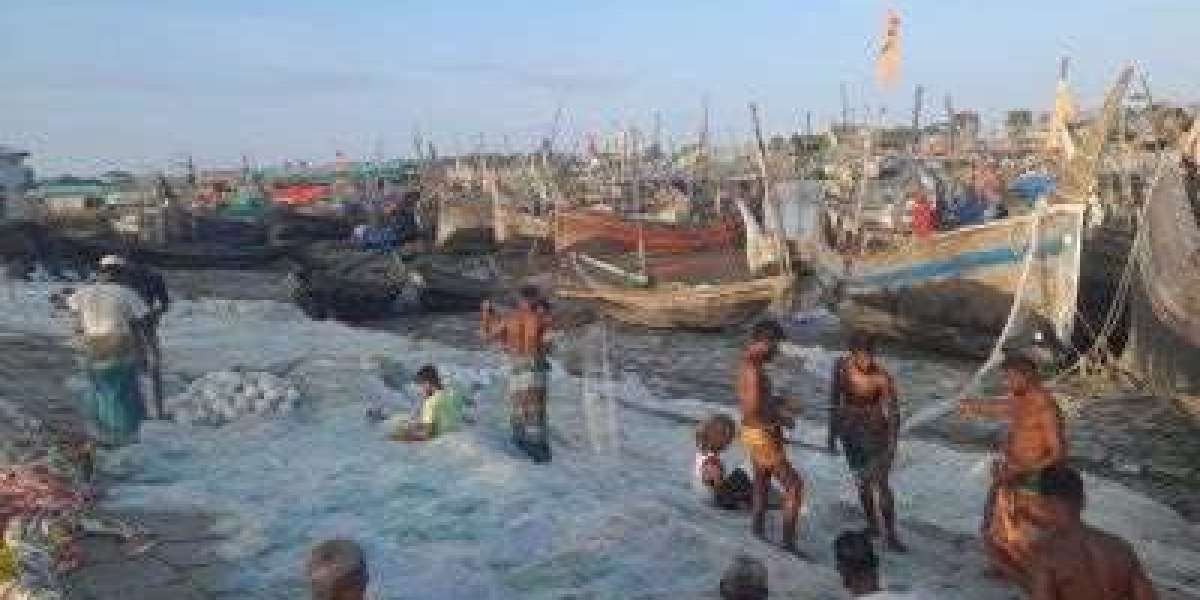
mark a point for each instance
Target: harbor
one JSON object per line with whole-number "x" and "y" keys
{"x": 490, "y": 368}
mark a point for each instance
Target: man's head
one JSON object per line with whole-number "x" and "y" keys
{"x": 745, "y": 579}
{"x": 1060, "y": 498}
{"x": 857, "y": 562}
{"x": 110, "y": 268}
{"x": 764, "y": 339}
{"x": 337, "y": 570}
{"x": 1020, "y": 373}
{"x": 428, "y": 380}
{"x": 715, "y": 433}
{"x": 529, "y": 297}
{"x": 862, "y": 351}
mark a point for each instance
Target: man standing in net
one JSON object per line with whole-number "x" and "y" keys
{"x": 864, "y": 416}
{"x": 522, "y": 334}
{"x": 764, "y": 418}
{"x": 1034, "y": 442}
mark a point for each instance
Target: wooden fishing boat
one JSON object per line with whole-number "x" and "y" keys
{"x": 511, "y": 225}
{"x": 953, "y": 291}
{"x": 465, "y": 224}
{"x": 705, "y": 291}
{"x": 332, "y": 280}
{"x": 578, "y": 229}
{"x": 1164, "y": 340}
{"x": 684, "y": 306}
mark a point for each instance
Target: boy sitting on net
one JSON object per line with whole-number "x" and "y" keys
{"x": 442, "y": 410}
{"x": 713, "y": 436}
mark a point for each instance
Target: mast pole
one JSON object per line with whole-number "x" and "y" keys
{"x": 916, "y": 118}
{"x": 776, "y": 233}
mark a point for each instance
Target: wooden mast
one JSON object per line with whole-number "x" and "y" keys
{"x": 916, "y": 118}
{"x": 777, "y": 234}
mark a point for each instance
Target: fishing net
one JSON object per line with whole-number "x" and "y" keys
{"x": 1169, "y": 257}
{"x": 1165, "y": 300}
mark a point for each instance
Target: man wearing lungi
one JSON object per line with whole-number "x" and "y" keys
{"x": 864, "y": 416}
{"x": 151, "y": 287}
{"x": 522, "y": 333}
{"x": 111, "y": 319}
{"x": 1035, "y": 442}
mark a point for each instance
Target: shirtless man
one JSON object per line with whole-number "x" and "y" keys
{"x": 1074, "y": 561}
{"x": 522, "y": 334}
{"x": 763, "y": 419}
{"x": 1035, "y": 441}
{"x": 863, "y": 414}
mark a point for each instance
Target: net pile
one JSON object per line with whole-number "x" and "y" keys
{"x": 225, "y": 396}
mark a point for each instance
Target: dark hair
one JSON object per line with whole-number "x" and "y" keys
{"x": 767, "y": 330}
{"x": 854, "y": 553}
{"x": 1019, "y": 363}
{"x": 336, "y": 565}
{"x": 715, "y": 432}
{"x": 1064, "y": 483}
{"x": 428, "y": 374}
{"x": 530, "y": 293}
{"x": 861, "y": 342}
{"x": 745, "y": 579}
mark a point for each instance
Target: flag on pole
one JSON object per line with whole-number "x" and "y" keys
{"x": 887, "y": 64}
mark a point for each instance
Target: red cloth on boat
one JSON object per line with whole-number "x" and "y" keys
{"x": 924, "y": 218}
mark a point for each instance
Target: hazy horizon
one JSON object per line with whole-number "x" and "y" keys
{"x": 136, "y": 84}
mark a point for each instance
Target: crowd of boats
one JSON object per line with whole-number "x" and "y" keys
{"x": 1084, "y": 245}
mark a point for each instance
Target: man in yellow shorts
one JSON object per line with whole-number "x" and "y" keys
{"x": 763, "y": 419}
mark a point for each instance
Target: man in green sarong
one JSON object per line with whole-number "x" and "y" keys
{"x": 441, "y": 410}
{"x": 110, "y": 317}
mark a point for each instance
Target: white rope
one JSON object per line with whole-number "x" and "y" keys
{"x": 931, "y": 413}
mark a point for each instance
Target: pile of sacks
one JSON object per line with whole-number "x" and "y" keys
{"x": 225, "y": 396}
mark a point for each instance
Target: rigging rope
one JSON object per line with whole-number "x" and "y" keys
{"x": 933, "y": 412}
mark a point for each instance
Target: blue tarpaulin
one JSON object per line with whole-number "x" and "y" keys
{"x": 1032, "y": 186}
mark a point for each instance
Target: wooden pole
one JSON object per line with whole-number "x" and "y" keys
{"x": 916, "y": 118}
{"x": 845, "y": 107}
{"x": 951, "y": 126}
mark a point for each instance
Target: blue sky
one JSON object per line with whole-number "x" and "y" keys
{"x": 93, "y": 84}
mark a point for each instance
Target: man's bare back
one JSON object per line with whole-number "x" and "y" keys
{"x": 1073, "y": 561}
{"x": 1088, "y": 564}
{"x": 522, "y": 332}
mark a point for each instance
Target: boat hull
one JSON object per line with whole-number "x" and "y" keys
{"x": 577, "y": 230}
{"x": 686, "y": 307}
{"x": 953, "y": 292}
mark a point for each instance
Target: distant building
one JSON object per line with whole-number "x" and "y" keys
{"x": 16, "y": 178}
{"x": 966, "y": 129}
{"x": 72, "y": 197}
{"x": 1018, "y": 126}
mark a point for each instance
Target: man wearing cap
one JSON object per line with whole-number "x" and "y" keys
{"x": 111, "y": 319}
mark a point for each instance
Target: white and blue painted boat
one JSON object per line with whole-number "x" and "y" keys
{"x": 953, "y": 291}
